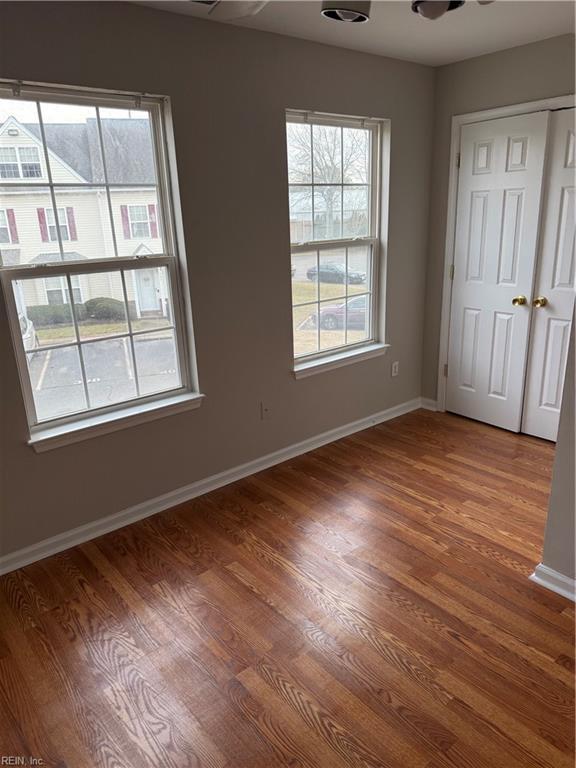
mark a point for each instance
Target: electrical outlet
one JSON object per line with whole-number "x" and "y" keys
{"x": 395, "y": 368}
{"x": 265, "y": 412}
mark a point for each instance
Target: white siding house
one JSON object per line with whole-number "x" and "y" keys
{"x": 28, "y": 227}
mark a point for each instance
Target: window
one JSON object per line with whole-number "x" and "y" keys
{"x": 28, "y": 168}
{"x": 8, "y": 229}
{"x": 66, "y": 224}
{"x": 139, "y": 222}
{"x": 4, "y": 229}
{"x": 57, "y": 290}
{"x": 333, "y": 178}
{"x": 98, "y": 325}
{"x": 9, "y": 168}
{"x": 51, "y": 224}
{"x": 30, "y": 162}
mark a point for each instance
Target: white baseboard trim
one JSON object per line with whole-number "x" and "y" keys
{"x": 83, "y": 533}
{"x": 428, "y": 404}
{"x": 556, "y": 582}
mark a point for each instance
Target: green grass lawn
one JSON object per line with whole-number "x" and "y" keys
{"x": 305, "y": 336}
{"x": 58, "y": 334}
{"x": 306, "y": 290}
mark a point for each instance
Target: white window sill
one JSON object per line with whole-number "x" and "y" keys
{"x": 337, "y": 360}
{"x": 44, "y": 439}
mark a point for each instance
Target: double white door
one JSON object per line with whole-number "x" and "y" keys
{"x": 513, "y": 286}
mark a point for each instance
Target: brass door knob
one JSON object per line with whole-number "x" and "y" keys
{"x": 540, "y": 301}
{"x": 519, "y": 301}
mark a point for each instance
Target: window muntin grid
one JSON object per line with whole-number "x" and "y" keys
{"x": 139, "y": 221}
{"x": 334, "y": 197}
{"x": 116, "y": 360}
{"x": 24, "y": 163}
{"x": 51, "y": 224}
{"x": 30, "y": 166}
{"x": 9, "y": 168}
{"x": 67, "y": 264}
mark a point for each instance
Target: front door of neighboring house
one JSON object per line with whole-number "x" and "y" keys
{"x": 149, "y": 299}
{"x": 507, "y": 348}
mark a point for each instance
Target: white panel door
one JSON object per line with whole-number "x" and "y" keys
{"x": 498, "y": 208}
{"x": 554, "y": 283}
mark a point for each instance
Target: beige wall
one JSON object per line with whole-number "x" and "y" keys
{"x": 559, "y": 539}
{"x": 527, "y": 73}
{"x": 229, "y": 89}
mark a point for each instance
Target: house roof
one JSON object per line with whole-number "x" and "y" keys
{"x": 127, "y": 145}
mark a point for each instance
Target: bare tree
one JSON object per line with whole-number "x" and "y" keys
{"x": 332, "y": 156}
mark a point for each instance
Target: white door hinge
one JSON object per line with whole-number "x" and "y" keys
{"x": 458, "y": 160}
{"x": 451, "y": 272}
{"x": 446, "y": 370}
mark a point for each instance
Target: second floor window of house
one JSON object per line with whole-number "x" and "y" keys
{"x": 88, "y": 255}
{"x": 9, "y": 168}
{"x": 50, "y": 224}
{"x": 30, "y": 162}
{"x": 139, "y": 221}
{"x": 333, "y": 178}
{"x": 20, "y": 162}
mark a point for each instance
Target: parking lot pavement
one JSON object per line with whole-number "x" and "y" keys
{"x": 57, "y": 376}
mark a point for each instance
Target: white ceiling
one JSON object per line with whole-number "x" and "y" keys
{"x": 393, "y": 30}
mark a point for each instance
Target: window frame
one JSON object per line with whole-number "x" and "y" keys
{"x": 378, "y": 174}
{"x": 146, "y": 221}
{"x": 78, "y": 426}
{"x": 21, "y": 163}
{"x": 17, "y": 164}
{"x": 3, "y": 211}
{"x": 62, "y": 225}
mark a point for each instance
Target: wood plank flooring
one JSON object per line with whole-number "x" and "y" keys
{"x": 363, "y": 606}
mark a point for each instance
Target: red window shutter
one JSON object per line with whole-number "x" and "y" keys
{"x": 12, "y": 225}
{"x": 125, "y": 221}
{"x": 153, "y": 220}
{"x": 71, "y": 224}
{"x": 43, "y": 226}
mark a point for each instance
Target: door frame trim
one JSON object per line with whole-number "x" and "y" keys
{"x": 512, "y": 110}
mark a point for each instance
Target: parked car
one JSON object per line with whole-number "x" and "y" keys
{"x": 332, "y": 316}
{"x": 335, "y": 273}
{"x": 29, "y": 335}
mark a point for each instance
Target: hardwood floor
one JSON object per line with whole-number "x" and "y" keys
{"x": 364, "y": 605}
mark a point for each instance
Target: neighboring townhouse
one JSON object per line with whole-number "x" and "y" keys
{"x": 88, "y": 222}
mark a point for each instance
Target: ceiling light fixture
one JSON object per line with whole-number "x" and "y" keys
{"x": 354, "y": 11}
{"x": 433, "y": 9}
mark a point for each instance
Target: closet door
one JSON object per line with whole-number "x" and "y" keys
{"x": 498, "y": 209}
{"x": 553, "y": 298}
